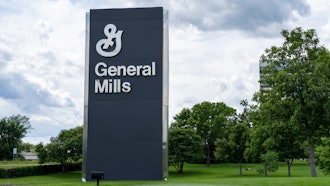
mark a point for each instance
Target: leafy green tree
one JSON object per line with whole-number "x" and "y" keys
{"x": 57, "y": 152}
{"x": 270, "y": 161}
{"x": 184, "y": 145}
{"x": 298, "y": 73}
{"x": 181, "y": 120}
{"x": 257, "y": 135}
{"x": 42, "y": 153}
{"x": 65, "y": 149}
{"x": 12, "y": 130}
{"x": 27, "y": 147}
{"x": 283, "y": 139}
{"x": 232, "y": 147}
{"x": 257, "y": 145}
{"x": 274, "y": 134}
{"x": 323, "y": 155}
{"x": 209, "y": 120}
{"x": 251, "y": 118}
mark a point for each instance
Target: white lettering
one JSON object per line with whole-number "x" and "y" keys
{"x": 103, "y": 71}
{"x": 121, "y": 70}
{"x": 131, "y": 70}
{"x": 146, "y": 70}
{"x": 111, "y": 86}
{"x": 153, "y": 68}
{"x": 115, "y": 86}
{"x": 126, "y": 87}
{"x": 112, "y": 71}
{"x": 138, "y": 69}
{"x": 101, "y": 88}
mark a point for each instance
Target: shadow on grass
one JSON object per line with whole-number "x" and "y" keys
{"x": 186, "y": 173}
{"x": 226, "y": 171}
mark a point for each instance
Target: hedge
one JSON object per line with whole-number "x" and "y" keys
{"x": 36, "y": 170}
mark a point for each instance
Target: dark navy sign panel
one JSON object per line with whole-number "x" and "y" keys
{"x": 123, "y": 133}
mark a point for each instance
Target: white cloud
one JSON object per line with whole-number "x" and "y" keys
{"x": 43, "y": 64}
{"x": 248, "y": 15}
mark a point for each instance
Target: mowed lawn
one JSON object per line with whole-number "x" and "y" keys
{"x": 194, "y": 174}
{"x": 11, "y": 164}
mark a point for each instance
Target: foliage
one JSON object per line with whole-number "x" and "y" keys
{"x": 34, "y": 170}
{"x": 181, "y": 120}
{"x": 184, "y": 145}
{"x": 26, "y": 147}
{"x": 258, "y": 143}
{"x": 257, "y": 135}
{"x": 276, "y": 135}
{"x": 298, "y": 74}
{"x": 232, "y": 147}
{"x": 323, "y": 155}
{"x": 65, "y": 149}
{"x": 270, "y": 161}
{"x": 12, "y": 130}
{"x": 209, "y": 120}
{"x": 42, "y": 153}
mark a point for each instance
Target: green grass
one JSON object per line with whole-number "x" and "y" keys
{"x": 194, "y": 175}
{"x": 12, "y": 164}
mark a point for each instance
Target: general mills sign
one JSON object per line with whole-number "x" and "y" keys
{"x": 126, "y": 94}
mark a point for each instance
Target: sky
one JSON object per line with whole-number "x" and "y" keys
{"x": 214, "y": 51}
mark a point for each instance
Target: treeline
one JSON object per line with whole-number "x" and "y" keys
{"x": 289, "y": 118}
{"x": 12, "y": 130}
{"x": 286, "y": 121}
{"x": 65, "y": 149}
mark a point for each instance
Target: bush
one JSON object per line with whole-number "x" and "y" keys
{"x": 3, "y": 173}
{"x": 323, "y": 155}
{"x": 270, "y": 161}
{"x": 36, "y": 170}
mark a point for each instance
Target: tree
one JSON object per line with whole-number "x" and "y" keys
{"x": 209, "y": 120}
{"x": 323, "y": 155}
{"x": 272, "y": 133}
{"x": 270, "y": 160}
{"x": 184, "y": 145}
{"x": 12, "y": 130}
{"x": 26, "y": 147}
{"x": 286, "y": 142}
{"x": 259, "y": 143}
{"x": 42, "y": 153}
{"x": 181, "y": 120}
{"x": 232, "y": 147}
{"x": 298, "y": 73}
{"x": 65, "y": 149}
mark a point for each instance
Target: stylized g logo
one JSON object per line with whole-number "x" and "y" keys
{"x": 110, "y": 30}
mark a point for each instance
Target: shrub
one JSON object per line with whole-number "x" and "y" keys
{"x": 270, "y": 161}
{"x": 36, "y": 170}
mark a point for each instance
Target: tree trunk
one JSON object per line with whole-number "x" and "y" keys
{"x": 240, "y": 168}
{"x": 180, "y": 171}
{"x": 312, "y": 161}
{"x": 63, "y": 168}
{"x": 208, "y": 161}
{"x": 289, "y": 164}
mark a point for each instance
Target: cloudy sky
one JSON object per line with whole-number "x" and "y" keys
{"x": 214, "y": 48}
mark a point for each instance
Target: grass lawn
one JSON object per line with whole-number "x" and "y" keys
{"x": 221, "y": 175}
{"x": 10, "y": 164}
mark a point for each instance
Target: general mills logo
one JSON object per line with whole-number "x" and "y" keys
{"x": 105, "y": 46}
